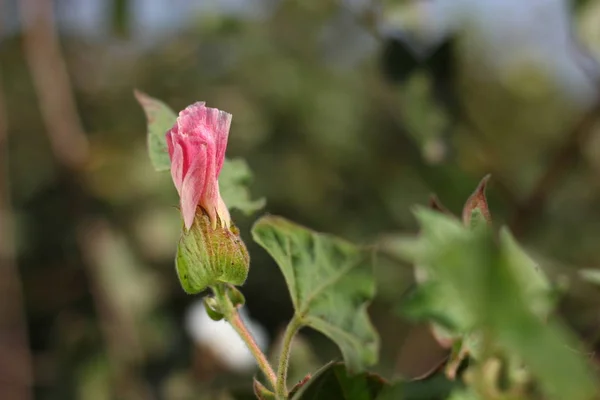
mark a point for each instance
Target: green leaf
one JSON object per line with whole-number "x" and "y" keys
{"x": 331, "y": 284}
{"x": 233, "y": 185}
{"x": 333, "y": 381}
{"x": 434, "y": 300}
{"x": 466, "y": 394}
{"x": 160, "y": 119}
{"x": 493, "y": 283}
{"x": 207, "y": 256}
{"x": 531, "y": 280}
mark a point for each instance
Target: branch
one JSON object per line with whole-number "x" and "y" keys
{"x": 564, "y": 158}
{"x": 52, "y": 84}
{"x": 15, "y": 356}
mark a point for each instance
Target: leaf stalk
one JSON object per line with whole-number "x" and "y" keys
{"x": 293, "y": 327}
{"x": 231, "y": 314}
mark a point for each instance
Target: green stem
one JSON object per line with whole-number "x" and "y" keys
{"x": 284, "y": 357}
{"x": 232, "y": 316}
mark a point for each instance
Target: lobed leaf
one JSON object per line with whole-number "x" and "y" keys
{"x": 331, "y": 284}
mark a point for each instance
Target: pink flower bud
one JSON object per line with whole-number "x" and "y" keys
{"x": 197, "y": 144}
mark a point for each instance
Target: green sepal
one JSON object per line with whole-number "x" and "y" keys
{"x": 207, "y": 256}
{"x": 261, "y": 392}
{"x": 212, "y": 309}
{"x": 235, "y": 296}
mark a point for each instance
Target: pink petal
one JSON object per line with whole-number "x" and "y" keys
{"x": 217, "y": 124}
{"x": 193, "y": 188}
{"x": 191, "y": 146}
{"x": 209, "y": 123}
{"x": 192, "y": 108}
{"x": 169, "y": 139}
{"x": 176, "y": 165}
{"x": 221, "y": 134}
{"x": 197, "y": 145}
{"x": 191, "y": 120}
{"x": 210, "y": 196}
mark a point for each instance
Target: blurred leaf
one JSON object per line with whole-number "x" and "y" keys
{"x": 434, "y": 299}
{"x": 333, "y": 381}
{"x": 533, "y": 283}
{"x": 160, "y": 119}
{"x": 93, "y": 379}
{"x": 466, "y": 394}
{"x": 492, "y": 283}
{"x": 330, "y": 282}
{"x": 233, "y": 181}
{"x": 207, "y": 256}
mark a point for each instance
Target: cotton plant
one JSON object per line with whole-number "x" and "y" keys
{"x": 330, "y": 280}
{"x": 483, "y": 297}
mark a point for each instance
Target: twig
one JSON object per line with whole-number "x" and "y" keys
{"x": 15, "y": 357}
{"x": 52, "y": 84}
{"x": 564, "y": 158}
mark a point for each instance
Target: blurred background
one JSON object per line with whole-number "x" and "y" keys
{"x": 349, "y": 112}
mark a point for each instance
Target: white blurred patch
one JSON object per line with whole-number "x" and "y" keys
{"x": 221, "y": 338}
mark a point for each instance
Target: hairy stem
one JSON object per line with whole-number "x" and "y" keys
{"x": 284, "y": 357}
{"x": 233, "y": 317}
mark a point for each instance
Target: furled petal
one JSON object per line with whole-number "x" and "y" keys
{"x": 191, "y": 121}
{"x": 197, "y": 145}
{"x": 223, "y": 212}
{"x": 176, "y": 154}
{"x": 222, "y": 134}
{"x": 192, "y": 188}
{"x": 218, "y": 122}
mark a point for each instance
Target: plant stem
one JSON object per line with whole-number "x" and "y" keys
{"x": 233, "y": 317}
{"x": 284, "y": 357}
